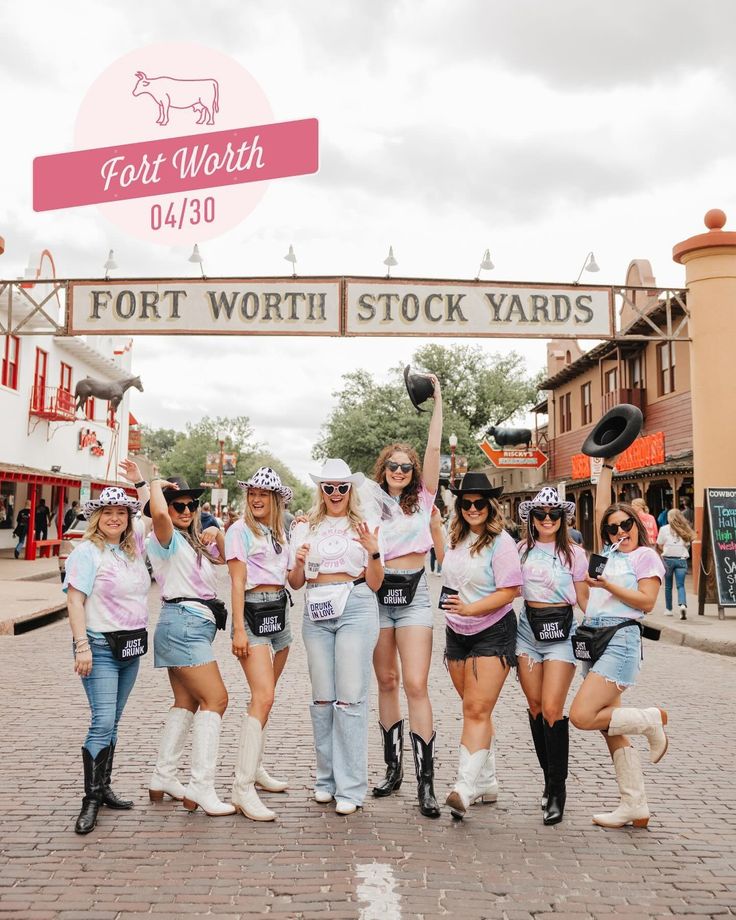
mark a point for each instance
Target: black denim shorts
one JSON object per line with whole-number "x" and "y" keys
{"x": 498, "y": 641}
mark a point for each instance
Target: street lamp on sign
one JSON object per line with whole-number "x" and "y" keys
{"x": 452, "y": 440}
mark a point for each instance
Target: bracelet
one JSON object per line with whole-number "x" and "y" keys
{"x": 139, "y": 485}
{"x": 81, "y": 645}
{"x": 375, "y": 555}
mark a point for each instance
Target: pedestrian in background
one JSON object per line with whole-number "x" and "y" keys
{"x": 687, "y": 510}
{"x": 107, "y": 584}
{"x": 22, "y": 525}
{"x": 673, "y": 543}
{"x": 183, "y": 559}
{"x": 481, "y": 577}
{"x": 647, "y": 519}
{"x": 257, "y": 555}
{"x": 554, "y": 570}
{"x": 207, "y": 518}
{"x": 72, "y": 513}
{"x": 43, "y": 519}
{"x": 403, "y": 653}
{"x": 618, "y": 601}
{"x": 338, "y": 555}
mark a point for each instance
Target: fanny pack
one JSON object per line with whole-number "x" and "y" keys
{"x": 266, "y": 618}
{"x": 399, "y": 590}
{"x": 550, "y": 624}
{"x": 590, "y": 642}
{"x": 327, "y": 602}
{"x": 127, "y": 643}
{"x": 216, "y": 606}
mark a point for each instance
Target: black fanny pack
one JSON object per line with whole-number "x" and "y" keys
{"x": 399, "y": 590}
{"x": 590, "y": 642}
{"x": 266, "y": 618}
{"x": 216, "y": 606}
{"x": 550, "y": 624}
{"x": 127, "y": 643}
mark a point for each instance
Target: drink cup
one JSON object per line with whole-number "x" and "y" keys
{"x": 596, "y": 565}
{"x": 314, "y": 561}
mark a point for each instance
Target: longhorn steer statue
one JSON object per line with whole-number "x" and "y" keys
{"x": 509, "y": 437}
{"x": 102, "y": 390}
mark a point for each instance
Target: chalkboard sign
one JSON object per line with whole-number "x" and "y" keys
{"x": 719, "y": 548}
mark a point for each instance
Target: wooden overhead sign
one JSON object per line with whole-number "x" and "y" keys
{"x": 511, "y": 459}
{"x": 338, "y": 306}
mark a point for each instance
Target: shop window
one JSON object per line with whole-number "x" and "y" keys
{"x": 636, "y": 372}
{"x": 89, "y": 408}
{"x": 65, "y": 378}
{"x": 610, "y": 379}
{"x": 665, "y": 368}
{"x": 565, "y": 414}
{"x": 39, "y": 379}
{"x": 10, "y": 362}
{"x": 586, "y": 403}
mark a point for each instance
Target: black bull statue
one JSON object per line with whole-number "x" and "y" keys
{"x": 114, "y": 392}
{"x": 509, "y": 437}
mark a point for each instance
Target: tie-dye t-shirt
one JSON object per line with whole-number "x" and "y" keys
{"x": 180, "y": 574}
{"x": 336, "y": 543}
{"x": 548, "y": 579}
{"x": 409, "y": 533}
{"x": 116, "y": 586}
{"x": 476, "y": 576}
{"x": 264, "y": 566}
{"x": 626, "y": 570}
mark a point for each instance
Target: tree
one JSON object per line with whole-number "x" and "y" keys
{"x": 478, "y": 390}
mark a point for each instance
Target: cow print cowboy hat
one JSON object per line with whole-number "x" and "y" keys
{"x": 548, "y": 497}
{"x": 183, "y": 491}
{"x": 268, "y": 479}
{"x": 112, "y": 497}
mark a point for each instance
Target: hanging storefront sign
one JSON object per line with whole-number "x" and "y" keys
{"x": 646, "y": 451}
{"x": 511, "y": 459}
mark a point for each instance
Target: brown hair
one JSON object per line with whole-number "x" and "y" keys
{"x": 563, "y": 542}
{"x": 409, "y": 498}
{"x": 459, "y": 529}
{"x": 193, "y": 536}
{"x": 679, "y": 525}
{"x": 624, "y": 508}
{"x": 95, "y": 535}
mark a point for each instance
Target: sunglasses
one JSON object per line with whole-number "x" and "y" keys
{"x": 277, "y": 547}
{"x": 404, "y": 467}
{"x": 181, "y": 507}
{"x": 554, "y": 514}
{"x": 343, "y": 488}
{"x": 478, "y": 503}
{"x": 625, "y": 525}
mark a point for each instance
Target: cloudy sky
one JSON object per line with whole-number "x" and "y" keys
{"x": 540, "y": 129}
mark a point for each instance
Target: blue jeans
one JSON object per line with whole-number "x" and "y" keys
{"x": 678, "y": 568}
{"x": 340, "y": 655}
{"x": 108, "y": 688}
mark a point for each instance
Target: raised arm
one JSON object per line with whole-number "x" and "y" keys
{"x": 603, "y": 494}
{"x": 130, "y": 470}
{"x": 162, "y": 524}
{"x": 431, "y": 466}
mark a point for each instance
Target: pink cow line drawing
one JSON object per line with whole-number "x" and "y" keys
{"x": 202, "y": 96}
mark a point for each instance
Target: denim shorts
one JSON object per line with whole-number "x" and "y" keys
{"x": 535, "y": 651}
{"x": 497, "y": 641}
{"x": 182, "y": 638}
{"x": 278, "y": 641}
{"x": 621, "y": 661}
{"x": 418, "y": 613}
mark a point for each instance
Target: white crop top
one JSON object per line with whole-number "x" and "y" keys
{"x": 180, "y": 574}
{"x": 336, "y": 543}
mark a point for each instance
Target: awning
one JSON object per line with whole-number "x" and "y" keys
{"x": 33, "y": 476}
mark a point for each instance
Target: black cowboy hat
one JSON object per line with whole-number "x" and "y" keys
{"x": 419, "y": 387}
{"x": 617, "y": 430}
{"x": 170, "y": 494}
{"x": 477, "y": 482}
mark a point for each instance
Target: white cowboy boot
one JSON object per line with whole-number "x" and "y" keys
{"x": 263, "y": 779}
{"x": 468, "y": 771}
{"x": 205, "y": 745}
{"x": 486, "y": 789}
{"x": 648, "y": 722}
{"x": 632, "y": 808}
{"x": 244, "y": 797}
{"x": 164, "y": 778}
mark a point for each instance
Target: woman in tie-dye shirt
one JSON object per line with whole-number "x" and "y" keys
{"x": 405, "y": 610}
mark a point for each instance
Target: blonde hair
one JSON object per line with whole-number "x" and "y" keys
{"x": 95, "y": 535}
{"x": 640, "y": 505}
{"x": 679, "y": 525}
{"x": 318, "y": 512}
{"x": 275, "y": 517}
{"x": 459, "y": 529}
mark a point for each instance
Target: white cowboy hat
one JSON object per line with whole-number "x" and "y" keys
{"x": 266, "y": 478}
{"x": 549, "y": 498}
{"x": 113, "y": 496}
{"x": 337, "y": 471}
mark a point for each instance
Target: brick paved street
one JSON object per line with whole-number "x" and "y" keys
{"x": 501, "y": 862}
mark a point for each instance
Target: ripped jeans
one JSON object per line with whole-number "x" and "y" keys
{"x": 340, "y": 656}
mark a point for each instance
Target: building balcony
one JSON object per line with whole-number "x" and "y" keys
{"x": 636, "y": 396}
{"x": 53, "y": 404}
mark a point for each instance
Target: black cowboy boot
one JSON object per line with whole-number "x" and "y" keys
{"x": 536, "y": 724}
{"x": 424, "y": 766}
{"x": 393, "y": 752}
{"x": 94, "y": 778}
{"x": 558, "y": 748}
{"x": 108, "y": 796}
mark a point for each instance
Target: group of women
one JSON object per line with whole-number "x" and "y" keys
{"x": 360, "y": 554}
